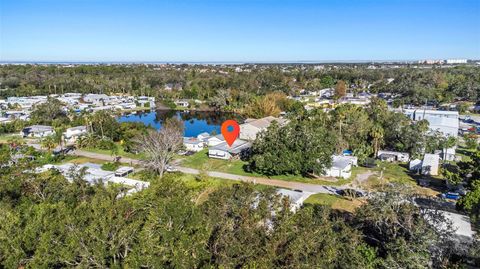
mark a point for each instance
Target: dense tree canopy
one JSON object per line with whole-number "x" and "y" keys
{"x": 300, "y": 147}
{"x": 50, "y": 222}
{"x": 412, "y": 85}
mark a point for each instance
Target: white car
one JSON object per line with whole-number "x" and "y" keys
{"x": 170, "y": 168}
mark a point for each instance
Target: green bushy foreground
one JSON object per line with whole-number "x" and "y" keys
{"x": 48, "y": 222}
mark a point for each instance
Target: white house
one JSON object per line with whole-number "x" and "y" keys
{"x": 72, "y": 134}
{"x": 393, "y": 156}
{"x": 193, "y": 144}
{"x": 124, "y": 171}
{"x": 415, "y": 165}
{"x": 448, "y": 154}
{"x": 95, "y": 174}
{"x": 224, "y": 151}
{"x": 215, "y": 140}
{"x": 203, "y": 137}
{"x": 252, "y": 127}
{"x": 182, "y": 103}
{"x": 37, "y": 131}
{"x": 98, "y": 99}
{"x": 5, "y": 120}
{"x": 146, "y": 101}
{"x": 296, "y": 198}
{"x": 341, "y": 166}
{"x": 430, "y": 164}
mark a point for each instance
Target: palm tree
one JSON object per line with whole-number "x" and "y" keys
{"x": 377, "y": 136}
{"x": 59, "y": 139}
{"x": 87, "y": 140}
{"x": 49, "y": 143}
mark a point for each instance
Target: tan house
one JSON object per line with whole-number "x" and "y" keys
{"x": 251, "y": 127}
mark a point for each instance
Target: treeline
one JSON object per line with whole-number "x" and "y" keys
{"x": 48, "y": 222}
{"x": 223, "y": 85}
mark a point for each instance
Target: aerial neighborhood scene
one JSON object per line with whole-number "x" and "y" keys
{"x": 239, "y": 134}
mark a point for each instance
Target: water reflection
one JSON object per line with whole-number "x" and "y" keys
{"x": 195, "y": 122}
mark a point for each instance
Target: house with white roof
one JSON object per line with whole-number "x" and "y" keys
{"x": 215, "y": 140}
{"x": 37, "y": 131}
{"x": 393, "y": 156}
{"x": 5, "y": 120}
{"x": 442, "y": 121}
{"x": 193, "y": 144}
{"x": 252, "y": 127}
{"x": 182, "y": 103}
{"x": 296, "y": 198}
{"x": 95, "y": 174}
{"x": 341, "y": 166}
{"x": 72, "y": 134}
{"x": 203, "y": 137}
{"x": 226, "y": 152}
{"x": 97, "y": 99}
{"x": 430, "y": 164}
{"x": 124, "y": 171}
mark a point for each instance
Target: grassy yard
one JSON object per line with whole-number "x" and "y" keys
{"x": 334, "y": 201}
{"x": 4, "y": 138}
{"x": 201, "y": 161}
{"x": 121, "y": 152}
{"x": 398, "y": 173}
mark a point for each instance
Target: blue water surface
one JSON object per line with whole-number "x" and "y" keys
{"x": 195, "y": 122}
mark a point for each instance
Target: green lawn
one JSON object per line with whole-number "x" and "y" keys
{"x": 333, "y": 201}
{"x": 201, "y": 161}
{"x": 4, "y": 138}
{"x": 399, "y": 173}
{"x": 394, "y": 172}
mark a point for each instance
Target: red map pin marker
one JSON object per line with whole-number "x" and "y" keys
{"x": 230, "y": 131}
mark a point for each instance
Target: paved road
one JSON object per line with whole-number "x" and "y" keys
{"x": 256, "y": 180}
{"x": 264, "y": 181}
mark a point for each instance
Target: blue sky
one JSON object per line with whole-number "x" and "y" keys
{"x": 243, "y": 30}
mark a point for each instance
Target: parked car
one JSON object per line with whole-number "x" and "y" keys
{"x": 170, "y": 168}
{"x": 451, "y": 195}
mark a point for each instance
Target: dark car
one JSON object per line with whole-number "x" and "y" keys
{"x": 350, "y": 193}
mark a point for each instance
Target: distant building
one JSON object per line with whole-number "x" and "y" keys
{"x": 98, "y": 99}
{"x": 37, "y": 131}
{"x": 456, "y": 61}
{"x": 182, "y": 103}
{"x": 431, "y": 61}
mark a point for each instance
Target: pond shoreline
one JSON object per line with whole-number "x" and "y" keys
{"x": 195, "y": 121}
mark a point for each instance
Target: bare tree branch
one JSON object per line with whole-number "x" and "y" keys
{"x": 160, "y": 146}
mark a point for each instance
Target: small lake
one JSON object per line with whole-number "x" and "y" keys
{"x": 195, "y": 122}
